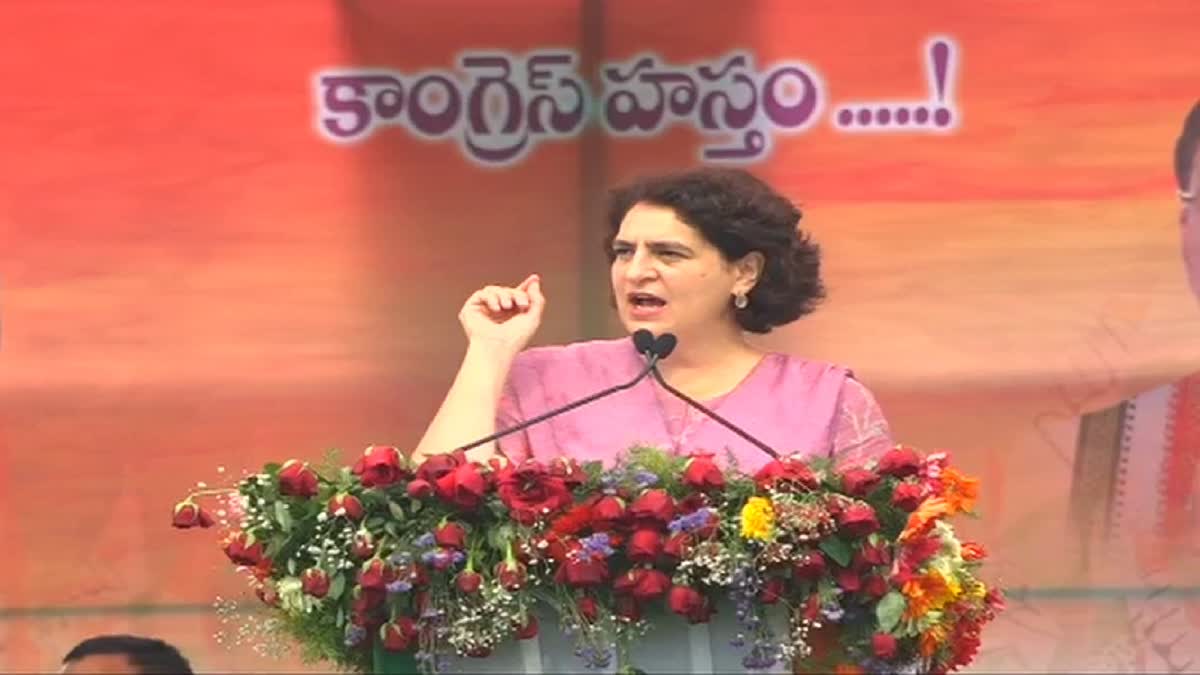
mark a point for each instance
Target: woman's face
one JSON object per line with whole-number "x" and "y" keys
{"x": 666, "y": 277}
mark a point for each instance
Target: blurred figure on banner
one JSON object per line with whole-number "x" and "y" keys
{"x": 125, "y": 654}
{"x": 712, "y": 256}
{"x": 1137, "y": 477}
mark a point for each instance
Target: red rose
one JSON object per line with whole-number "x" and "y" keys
{"x": 569, "y": 471}
{"x": 367, "y": 599}
{"x": 772, "y": 591}
{"x": 315, "y": 582}
{"x": 875, "y": 554}
{"x": 654, "y": 506}
{"x": 627, "y": 607}
{"x": 363, "y": 546}
{"x": 419, "y": 488}
{"x": 899, "y": 462}
{"x": 779, "y": 474}
{"x": 685, "y": 600}
{"x": 451, "y": 535}
{"x": 511, "y": 577}
{"x": 651, "y": 584}
{"x": 347, "y": 505}
{"x": 297, "y": 479}
{"x": 468, "y": 582}
{"x": 859, "y": 482}
{"x": 849, "y": 581}
{"x": 644, "y": 546}
{"x": 462, "y": 488}
{"x": 587, "y": 608}
{"x": 858, "y": 520}
{"x": 581, "y": 571}
{"x": 243, "y": 549}
{"x": 876, "y": 586}
{"x": 376, "y": 574}
{"x": 436, "y": 466}
{"x": 529, "y": 630}
{"x": 624, "y": 584}
{"x": 676, "y": 547}
{"x": 530, "y": 492}
{"x": 190, "y": 514}
{"x": 399, "y": 634}
{"x": 908, "y": 496}
{"x": 918, "y": 550}
{"x": 884, "y": 645}
{"x": 701, "y": 473}
{"x": 379, "y": 466}
{"x": 608, "y": 512}
{"x": 573, "y": 522}
{"x": 809, "y": 566}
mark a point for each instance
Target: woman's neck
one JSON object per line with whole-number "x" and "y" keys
{"x": 708, "y": 366}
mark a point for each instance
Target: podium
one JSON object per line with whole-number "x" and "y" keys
{"x": 671, "y": 646}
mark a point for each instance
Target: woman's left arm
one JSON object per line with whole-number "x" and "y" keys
{"x": 860, "y": 431}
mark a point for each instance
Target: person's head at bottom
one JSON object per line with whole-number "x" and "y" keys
{"x": 125, "y": 654}
{"x": 709, "y": 254}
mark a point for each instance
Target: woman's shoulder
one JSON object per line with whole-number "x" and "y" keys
{"x": 791, "y": 367}
{"x": 585, "y": 357}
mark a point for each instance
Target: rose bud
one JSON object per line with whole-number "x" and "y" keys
{"x": 345, "y": 505}
{"x": 297, "y": 479}
{"x": 899, "y": 462}
{"x": 436, "y": 466}
{"x": 701, "y": 473}
{"x": 908, "y": 496}
{"x": 463, "y": 488}
{"x": 849, "y": 581}
{"x": 655, "y": 506}
{"x": 511, "y": 577}
{"x": 468, "y": 582}
{"x": 315, "y": 582}
{"x": 243, "y": 549}
{"x": 809, "y": 566}
{"x": 859, "y": 482}
{"x": 684, "y": 600}
{"x": 884, "y": 645}
{"x": 379, "y": 466}
{"x": 569, "y": 471}
{"x": 785, "y": 473}
{"x": 627, "y": 607}
{"x": 651, "y": 585}
{"x": 676, "y": 547}
{"x": 876, "y": 586}
{"x": 876, "y": 554}
{"x": 363, "y": 546}
{"x": 858, "y": 520}
{"x": 772, "y": 591}
{"x": 608, "y": 512}
{"x": 190, "y": 514}
{"x": 529, "y": 630}
{"x": 376, "y": 574}
{"x": 419, "y": 489}
{"x": 399, "y": 634}
{"x": 624, "y": 584}
{"x": 451, "y": 535}
{"x": 587, "y": 608}
{"x": 644, "y": 546}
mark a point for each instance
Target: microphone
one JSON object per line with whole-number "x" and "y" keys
{"x": 663, "y": 346}
{"x": 643, "y": 341}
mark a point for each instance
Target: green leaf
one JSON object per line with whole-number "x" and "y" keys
{"x": 889, "y": 610}
{"x": 838, "y": 549}
{"x": 341, "y": 617}
{"x": 336, "y": 587}
{"x": 396, "y": 510}
{"x": 272, "y": 468}
{"x": 283, "y": 516}
{"x": 375, "y": 523}
{"x": 291, "y": 566}
{"x": 391, "y": 529}
{"x": 415, "y": 506}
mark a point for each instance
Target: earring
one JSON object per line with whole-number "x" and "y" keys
{"x": 741, "y": 300}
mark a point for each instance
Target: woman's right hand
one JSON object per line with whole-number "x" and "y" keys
{"x": 504, "y": 317}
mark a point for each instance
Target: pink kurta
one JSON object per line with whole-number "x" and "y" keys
{"x": 793, "y": 405}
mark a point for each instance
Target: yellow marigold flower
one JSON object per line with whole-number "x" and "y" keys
{"x": 977, "y": 590}
{"x": 758, "y": 519}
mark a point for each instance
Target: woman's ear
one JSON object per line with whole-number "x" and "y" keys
{"x": 748, "y": 271}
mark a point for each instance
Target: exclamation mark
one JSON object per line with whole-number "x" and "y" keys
{"x": 939, "y": 57}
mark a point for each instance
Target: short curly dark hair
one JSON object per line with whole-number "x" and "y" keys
{"x": 739, "y": 214}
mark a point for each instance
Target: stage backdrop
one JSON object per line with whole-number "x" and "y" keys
{"x": 233, "y": 232}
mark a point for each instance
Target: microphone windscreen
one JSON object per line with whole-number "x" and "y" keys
{"x": 664, "y": 345}
{"x": 643, "y": 340}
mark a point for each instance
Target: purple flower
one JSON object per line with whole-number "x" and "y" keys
{"x": 400, "y": 558}
{"x": 399, "y": 587}
{"x": 690, "y": 522}
{"x": 425, "y": 541}
{"x": 597, "y": 546}
{"x": 833, "y": 612}
{"x": 429, "y": 556}
{"x": 355, "y": 635}
{"x": 645, "y": 479}
{"x": 457, "y": 557}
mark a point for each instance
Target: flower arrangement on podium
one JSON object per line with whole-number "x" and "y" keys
{"x": 451, "y": 557}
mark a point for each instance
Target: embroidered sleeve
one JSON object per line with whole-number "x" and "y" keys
{"x": 860, "y": 431}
